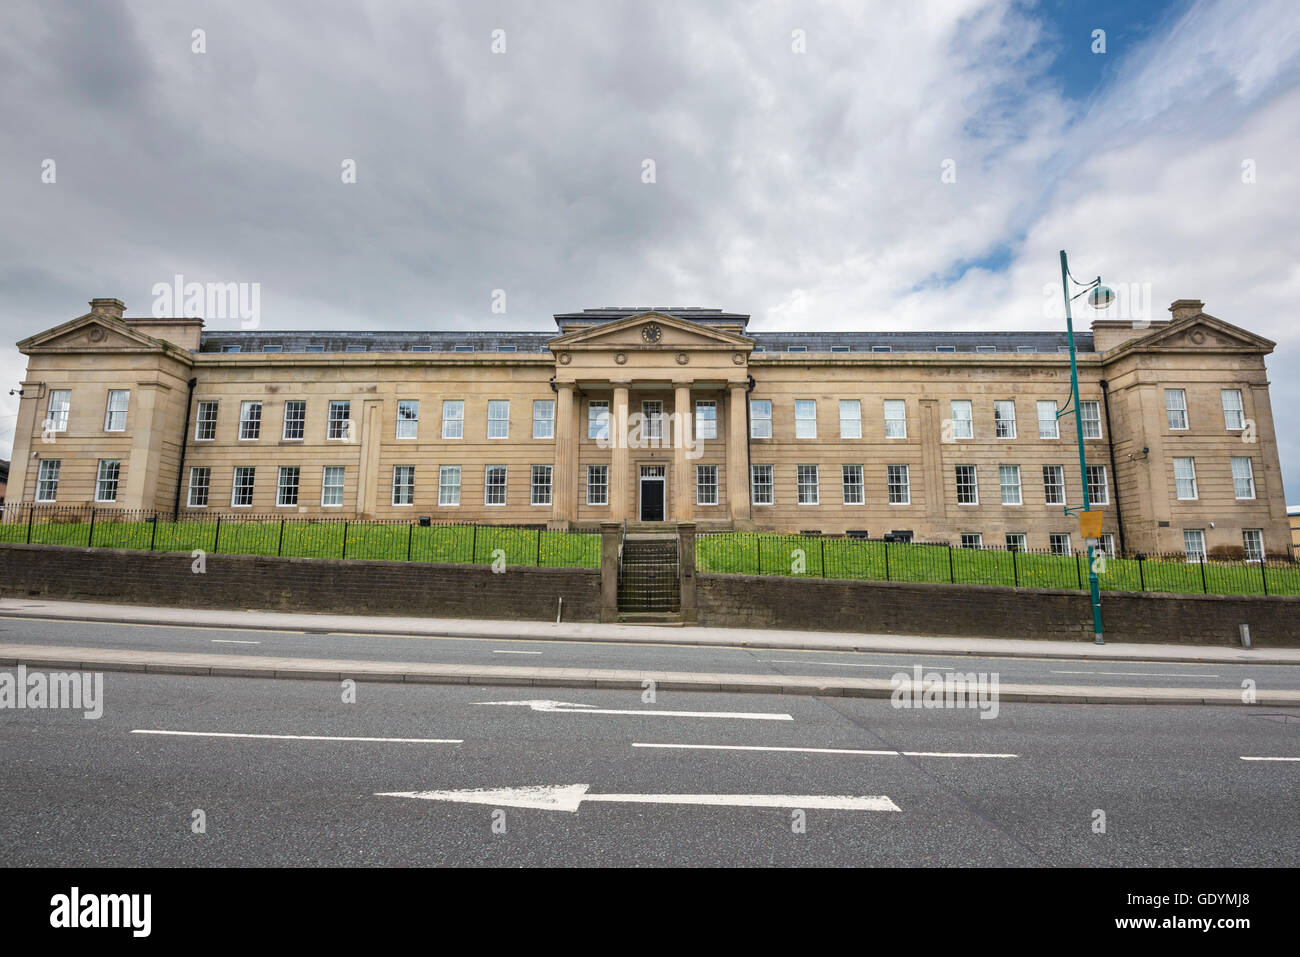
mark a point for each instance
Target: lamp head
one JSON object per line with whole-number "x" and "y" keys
{"x": 1101, "y": 296}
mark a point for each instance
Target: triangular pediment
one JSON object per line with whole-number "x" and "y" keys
{"x": 1200, "y": 332}
{"x": 650, "y": 330}
{"x": 91, "y": 333}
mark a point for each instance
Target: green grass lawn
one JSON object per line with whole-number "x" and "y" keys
{"x": 748, "y": 553}
{"x": 465, "y": 544}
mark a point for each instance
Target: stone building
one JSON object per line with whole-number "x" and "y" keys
{"x": 668, "y": 414}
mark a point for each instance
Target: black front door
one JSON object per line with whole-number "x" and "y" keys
{"x": 652, "y": 500}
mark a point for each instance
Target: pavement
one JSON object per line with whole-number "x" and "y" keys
{"x": 774, "y": 639}
{"x": 178, "y": 641}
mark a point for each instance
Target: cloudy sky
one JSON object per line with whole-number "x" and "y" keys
{"x": 838, "y": 165}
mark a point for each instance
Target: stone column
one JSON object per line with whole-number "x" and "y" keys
{"x": 683, "y": 505}
{"x": 686, "y": 561}
{"x": 564, "y": 480}
{"x": 737, "y": 448}
{"x": 28, "y": 447}
{"x": 620, "y": 459}
{"x": 610, "y": 535}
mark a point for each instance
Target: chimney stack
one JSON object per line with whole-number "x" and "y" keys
{"x": 1186, "y": 308}
{"x": 109, "y": 308}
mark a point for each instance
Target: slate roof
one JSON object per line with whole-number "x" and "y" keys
{"x": 445, "y": 341}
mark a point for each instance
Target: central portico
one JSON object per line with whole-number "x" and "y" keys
{"x": 656, "y": 406}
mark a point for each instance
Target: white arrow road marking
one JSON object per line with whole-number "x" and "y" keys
{"x": 298, "y": 737}
{"x": 567, "y": 797}
{"x": 757, "y": 747}
{"x": 566, "y": 707}
{"x": 1269, "y": 759}
{"x": 499, "y": 652}
{"x": 233, "y": 641}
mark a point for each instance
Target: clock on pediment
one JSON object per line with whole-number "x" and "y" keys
{"x": 651, "y": 332}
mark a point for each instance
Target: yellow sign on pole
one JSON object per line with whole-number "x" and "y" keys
{"x": 1090, "y": 523}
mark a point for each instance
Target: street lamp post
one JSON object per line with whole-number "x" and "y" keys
{"x": 1099, "y": 297}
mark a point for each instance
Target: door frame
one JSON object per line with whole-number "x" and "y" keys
{"x": 641, "y": 479}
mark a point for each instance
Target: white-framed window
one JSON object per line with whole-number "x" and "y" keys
{"x": 1054, "y": 484}
{"x": 331, "y": 486}
{"x": 295, "y": 419}
{"x": 1009, "y": 480}
{"x": 1252, "y": 542}
{"x": 1234, "y": 414}
{"x": 760, "y": 480}
{"x": 1048, "y": 427}
{"x": 47, "y": 480}
{"x": 851, "y": 479}
{"x": 250, "y": 421}
{"x": 652, "y": 414}
{"x": 1004, "y": 418}
{"x": 1176, "y": 408}
{"x": 706, "y": 485}
{"x": 900, "y": 487}
{"x": 230, "y": 348}
{"x": 850, "y": 419}
{"x": 272, "y": 348}
{"x": 895, "y": 419}
{"x": 200, "y": 486}
{"x": 449, "y": 485}
{"x": 1243, "y": 477}
{"x": 286, "y": 487}
{"x": 598, "y": 419}
{"x": 760, "y": 418}
{"x": 494, "y": 485}
{"x": 1090, "y": 409}
{"x": 453, "y": 418}
{"x": 809, "y": 493}
{"x": 972, "y": 540}
{"x": 805, "y": 418}
{"x": 1098, "y": 487}
{"x": 56, "y": 413}
{"x": 597, "y": 484}
{"x": 1059, "y": 543}
{"x": 1108, "y": 544}
{"x": 115, "y": 413}
{"x": 1185, "y": 479}
{"x": 540, "y": 485}
{"x": 963, "y": 423}
{"x": 106, "y": 480}
{"x": 881, "y": 348}
{"x": 339, "y": 423}
{"x": 1194, "y": 544}
{"x": 543, "y": 418}
{"x": 408, "y": 419}
{"x": 241, "y": 488}
{"x": 968, "y": 492}
{"x": 403, "y": 484}
{"x": 205, "y": 423}
{"x": 498, "y": 426}
{"x": 1016, "y": 540}
{"x": 706, "y": 419}
{"x": 986, "y": 348}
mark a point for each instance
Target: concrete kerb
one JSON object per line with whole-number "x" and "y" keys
{"x": 944, "y": 646}
{"x": 163, "y": 663}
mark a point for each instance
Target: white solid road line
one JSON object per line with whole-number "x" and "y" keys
{"x": 232, "y": 641}
{"x": 299, "y": 737}
{"x": 1136, "y": 674}
{"x": 499, "y": 652}
{"x": 847, "y": 664}
{"x": 567, "y": 707}
{"x": 568, "y": 797}
{"x": 1269, "y": 759}
{"x": 756, "y": 747}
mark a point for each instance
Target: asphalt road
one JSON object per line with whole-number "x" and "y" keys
{"x": 1170, "y": 780}
{"x": 606, "y": 654}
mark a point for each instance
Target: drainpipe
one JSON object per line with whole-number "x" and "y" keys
{"x": 185, "y": 436}
{"x": 1110, "y": 441}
